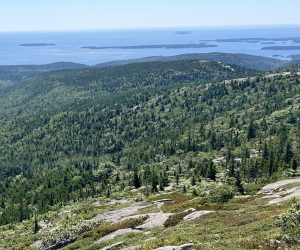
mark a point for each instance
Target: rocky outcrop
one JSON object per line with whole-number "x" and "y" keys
{"x": 115, "y": 216}
{"x": 113, "y": 246}
{"x": 39, "y": 244}
{"x": 276, "y": 194}
{"x": 182, "y": 247}
{"x": 155, "y": 220}
{"x": 271, "y": 188}
{"x": 115, "y": 234}
{"x": 162, "y": 200}
{"x": 195, "y": 215}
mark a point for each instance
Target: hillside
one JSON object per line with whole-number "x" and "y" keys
{"x": 12, "y": 74}
{"x": 242, "y": 60}
{"x": 65, "y": 167}
{"x": 57, "y": 88}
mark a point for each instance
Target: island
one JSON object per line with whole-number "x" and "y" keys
{"x": 281, "y": 48}
{"x": 254, "y": 40}
{"x": 183, "y": 32}
{"x": 37, "y": 44}
{"x": 168, "y": 46}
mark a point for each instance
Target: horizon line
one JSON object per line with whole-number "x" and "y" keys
{"x": 293, "y": 25}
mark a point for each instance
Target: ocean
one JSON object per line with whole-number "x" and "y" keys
{"x": 68, "y": 43}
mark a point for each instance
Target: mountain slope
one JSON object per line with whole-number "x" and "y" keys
{"x": 12, "y": 74}
{"x": 242, "y": 60}
{"x": 63, "y": 165}
{"x": 57, "y": 88}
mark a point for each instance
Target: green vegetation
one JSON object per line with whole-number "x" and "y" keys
{"x": 107, "y": 229}
{"x": 12, "y": 74}
{"x": 242, "y": 60}
{"x": 72, "y": 140}
{"x": 58, "y": 88}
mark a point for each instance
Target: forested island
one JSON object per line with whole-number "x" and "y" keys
{"x": 36, "y": 44}
{"x": 281, "y": 48}
{"x": 168, "y": 46}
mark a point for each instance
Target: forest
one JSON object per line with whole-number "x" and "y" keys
{"x": 73, "y": 135}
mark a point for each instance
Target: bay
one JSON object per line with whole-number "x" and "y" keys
{"x": 68, "y": 43}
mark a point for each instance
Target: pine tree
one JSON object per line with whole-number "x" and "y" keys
{"x": 251, "y": 130}
{"x": 211, "y": 172}
{"x": 36, "y": 225}
{"x": 239, "y": 183}
{"x": 136, "y": 179}
{"x": 177, "y": 178}
{"x": 294, "y": 163}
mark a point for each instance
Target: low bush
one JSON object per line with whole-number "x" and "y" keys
{"x": 173, "y": 220}
{"x": 231, "y": 207}
{"x": 107, "y": 229}
{"x": 180, "y": 206}
{"x": 221, "y": 194}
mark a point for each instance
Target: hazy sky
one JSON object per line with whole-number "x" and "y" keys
{"x": 21, "y": 15}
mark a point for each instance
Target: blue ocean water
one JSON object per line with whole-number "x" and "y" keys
{"x": 69, "y": 43}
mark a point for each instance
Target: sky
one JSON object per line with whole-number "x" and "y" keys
{"x": 35, "y": 15}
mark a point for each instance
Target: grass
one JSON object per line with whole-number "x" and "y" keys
{"x": 99, "y": 232}
{"x": 149, "y": 209}
{"x": 242, "y": 223}
{"x": 291, "y": 185}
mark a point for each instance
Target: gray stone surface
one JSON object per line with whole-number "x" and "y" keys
{"x": 43, "y": 224}
{"x": 119, "y": 214}
{"x": 155, "y": 220}
{"x": 281, "y": 194}
{"x": 131, "y": 248}
{"x": 38, "y": 244}
{"x": 113, "y": 246}
{"x": 182, "y": 247}
{"x": 66, "y": 212}
{"x": 116, "y": 233}
{"x": 271, "y": 188}
{"x": 162, "y": 200}
{"x": 195, "y": 215}
{"x": 190, "y": 209}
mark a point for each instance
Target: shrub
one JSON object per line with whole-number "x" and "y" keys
{"x": 231, "y": 207}
{"x": 107, "y": 229}
{"x": 221, "y": 194}
{"x": 289, "y": 222}
{"x": 181, "y": 205}
{"x": 173, "y": 220}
